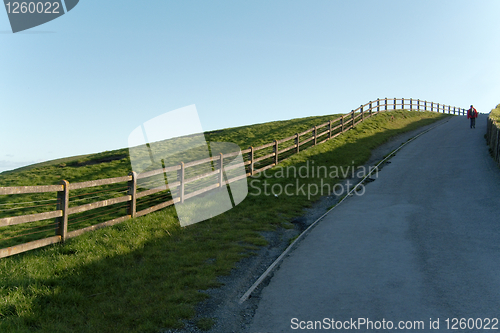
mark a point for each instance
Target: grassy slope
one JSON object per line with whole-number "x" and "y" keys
{"x": 79, "y": 168}
{"x": 145, "y": 274}
{"x": 107, "y": 165}
{"x": 495, "y": 114}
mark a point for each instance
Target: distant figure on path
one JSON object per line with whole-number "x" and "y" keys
{"x": 472, "y": 115}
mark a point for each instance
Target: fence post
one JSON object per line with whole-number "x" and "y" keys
{"x": 497, "y": 144}
{"x": 494, "y": 141}
{"x": 378, "y": 105}
{"x": 418, "y": 104}
{"x": 394, "y": 104}
{"x": 386, "y": 104}
{"x": 62, "y": 204}
{"x": 329, "y": 129}
{"x": 362, "y": 113}
{"x": 488, "y": 132}
{"x": 221, "y": 170}
{"x": 449, "y": 109}
{"x": 132, "y": 191}
{"x": 297, "y": 142}
{"x": 342, "y": 124}
{"x": 437, "y": 108}
{"x": 276, "y": 151}
{"x": 314, "y": 135}
{"x": 250, "y": 158}
{"x": 370, "y": 112}
{"x": 432, "y": 106}
{"x": 352, "y": 116}
{"x": 180, "y": 176}
{"x": 491, "y": 136}
{"x": 425, "y": 105}
{"x": 411, "y": 104}
{"x": 494, "y": 133}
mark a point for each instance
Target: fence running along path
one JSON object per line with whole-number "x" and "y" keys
{"x": 256, "y": 159}
{"x": 493, "y": 139}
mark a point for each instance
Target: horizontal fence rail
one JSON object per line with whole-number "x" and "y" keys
{"x": 256, "y": 159}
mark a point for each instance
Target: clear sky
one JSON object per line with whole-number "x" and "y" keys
{"x": 81, "y": 83}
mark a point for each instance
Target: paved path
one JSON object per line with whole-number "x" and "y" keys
{"x": 422, "y": 242}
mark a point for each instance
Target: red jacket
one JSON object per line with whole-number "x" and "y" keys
{"x": 471, "y": 113}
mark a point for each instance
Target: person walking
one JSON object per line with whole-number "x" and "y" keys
{"x": 472, "y": 115}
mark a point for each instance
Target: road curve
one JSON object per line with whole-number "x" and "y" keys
{"x": 422, "y": 242}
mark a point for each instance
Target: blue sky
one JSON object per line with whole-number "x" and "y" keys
{"x": 81, "y": 83}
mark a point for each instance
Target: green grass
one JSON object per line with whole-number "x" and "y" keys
{"x": 205, "y": 323}
{"x": 495, "y": 114}
{"x": 84, "y": 168}
{"x": 110, "y": 164}
{"x": 146, "y": 274}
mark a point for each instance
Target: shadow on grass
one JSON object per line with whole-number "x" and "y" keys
{"x": 107, "y": 281}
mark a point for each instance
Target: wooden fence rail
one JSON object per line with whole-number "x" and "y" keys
{"x": 493, "y": 139}
{"x": 257, "y": 159}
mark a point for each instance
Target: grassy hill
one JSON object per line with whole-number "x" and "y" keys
{"x": 495, "y": 114}
{"x": 116, "y": 163}
{"x": 146, "y": 274}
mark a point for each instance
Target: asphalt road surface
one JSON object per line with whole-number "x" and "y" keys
{"x": 422, "y": 244}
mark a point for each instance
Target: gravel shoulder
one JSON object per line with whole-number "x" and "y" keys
{"x": 223, "y": 306}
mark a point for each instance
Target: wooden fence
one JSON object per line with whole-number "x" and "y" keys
{"x": 256, "y": 159}
{"x": 493, "y": 139}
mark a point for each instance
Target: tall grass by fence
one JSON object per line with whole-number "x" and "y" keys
{"x": 493, "y": 133}
{"x": 138, "y": 201}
